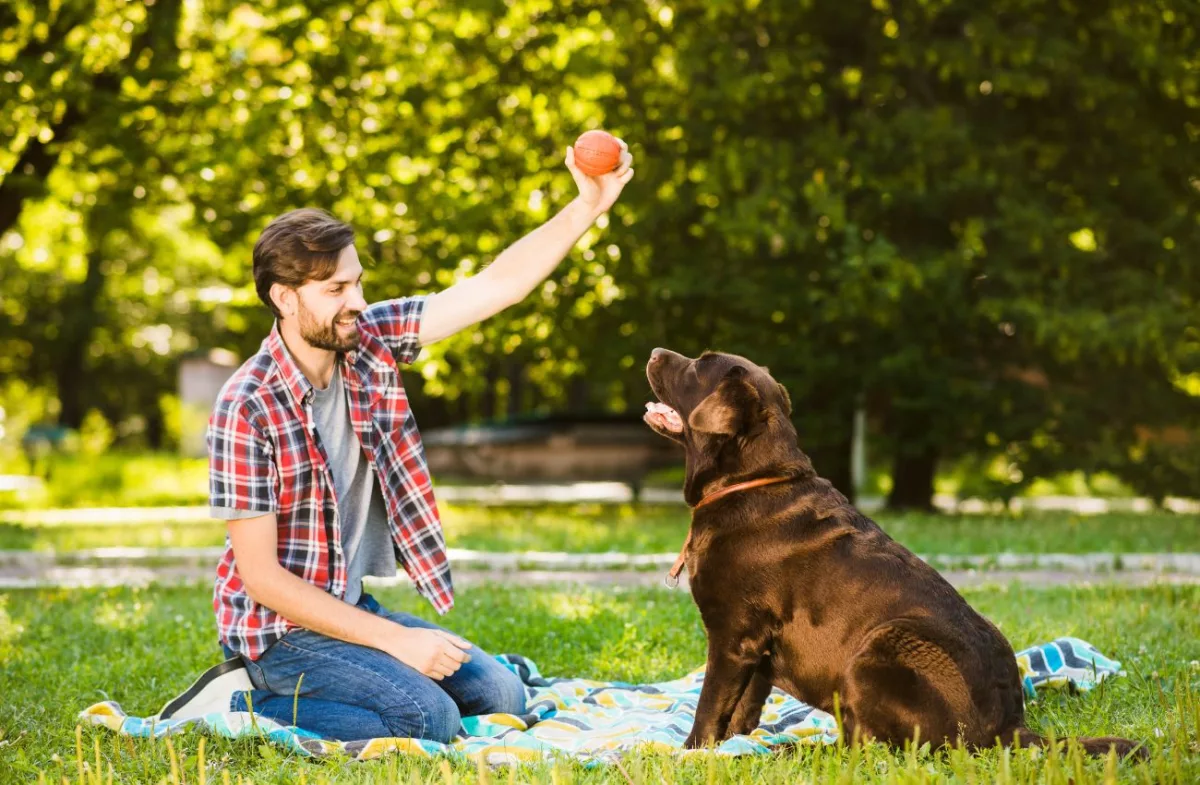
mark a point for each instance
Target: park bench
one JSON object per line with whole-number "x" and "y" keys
{"x": 552, "y": 448}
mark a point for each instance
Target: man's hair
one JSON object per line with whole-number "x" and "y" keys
{"x": 299, "y": 246}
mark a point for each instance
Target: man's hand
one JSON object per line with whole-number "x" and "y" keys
{"x": 526, "y": 263}
{"x": 435, "y": 653}
{"x": 601, "y": 191}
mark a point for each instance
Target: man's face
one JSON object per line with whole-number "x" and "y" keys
{"x": 328, "y": 309}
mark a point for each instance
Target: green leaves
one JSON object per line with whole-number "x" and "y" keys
{"x": 921, "y": 205}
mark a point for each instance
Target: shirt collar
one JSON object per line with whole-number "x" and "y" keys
{"x": 293, "y": 377}
{"x": 299, "y": 385}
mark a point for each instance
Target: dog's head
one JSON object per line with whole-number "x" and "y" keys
{"x": 731, "y": 416}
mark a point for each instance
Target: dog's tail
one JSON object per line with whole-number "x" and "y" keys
{"x": 1098, "y": 747}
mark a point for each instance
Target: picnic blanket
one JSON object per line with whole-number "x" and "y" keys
{"x": 595, "y": 721}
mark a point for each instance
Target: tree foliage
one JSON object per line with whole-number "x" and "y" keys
{"x": 977, "y": 220}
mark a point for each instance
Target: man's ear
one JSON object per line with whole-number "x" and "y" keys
{"x": 284, "y": 298}
{"x": 730, "y": 409}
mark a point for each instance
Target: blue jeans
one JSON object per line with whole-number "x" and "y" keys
{"x": 351, "y": 692}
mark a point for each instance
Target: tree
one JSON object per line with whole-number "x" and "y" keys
{"x": 968, "y": 218}
{"x": 87, "y": 109}
{"x": 924, "y": 205}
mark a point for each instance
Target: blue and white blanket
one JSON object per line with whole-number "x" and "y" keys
{"x": 595, "y": 721}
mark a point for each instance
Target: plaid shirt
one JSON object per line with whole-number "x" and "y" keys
{"x": 265, "y": 456}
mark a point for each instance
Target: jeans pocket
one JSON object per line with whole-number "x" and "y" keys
{"x": 257, "y": 677}
{"x": 272, "y": 657}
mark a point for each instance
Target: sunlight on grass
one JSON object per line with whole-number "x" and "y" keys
{"x": 117, "y": 479}
{"x": 574, "y": 528}
{"x": 661, "y": 529}
{"x": 123, "y": 615}
{"x": 70, "y": 655}
{"x": 570, "y": 607}
{"x": 10, "y": 631}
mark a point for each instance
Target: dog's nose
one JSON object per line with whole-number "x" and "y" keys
{"x": 656, "y": 355}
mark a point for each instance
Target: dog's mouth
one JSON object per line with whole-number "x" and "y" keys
{"x": 663, "y": 416}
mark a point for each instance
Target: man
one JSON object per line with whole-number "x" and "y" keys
{"x": 316, "y": 463}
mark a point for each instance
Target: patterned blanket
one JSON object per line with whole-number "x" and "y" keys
{"x": 595, "y": 721}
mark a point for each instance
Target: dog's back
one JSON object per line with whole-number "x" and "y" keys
{"x": 800, "y": 590}
{"x": 834, "y": 588}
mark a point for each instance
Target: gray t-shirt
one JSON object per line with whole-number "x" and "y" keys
{"x": 366, "y": 539}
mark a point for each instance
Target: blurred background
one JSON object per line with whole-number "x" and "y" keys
{"x": 963, "y": 234}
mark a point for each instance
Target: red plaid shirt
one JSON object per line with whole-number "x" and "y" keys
{"x": 263, "y": 457}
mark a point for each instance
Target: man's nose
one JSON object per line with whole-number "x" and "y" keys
{"x": 356, "y": 302}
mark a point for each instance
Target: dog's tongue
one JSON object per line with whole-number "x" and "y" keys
{"x": 664, "y": 415}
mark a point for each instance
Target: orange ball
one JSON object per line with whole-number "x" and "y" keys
{"x": 597, "y": 153}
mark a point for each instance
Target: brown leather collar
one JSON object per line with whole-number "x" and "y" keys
{"x": 677, "y": 567}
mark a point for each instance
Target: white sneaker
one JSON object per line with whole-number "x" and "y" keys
{"x": 212, "y": 692}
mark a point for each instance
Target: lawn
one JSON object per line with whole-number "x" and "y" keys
{"x": 63, "y": 650}
{"x": 589, "y": 528}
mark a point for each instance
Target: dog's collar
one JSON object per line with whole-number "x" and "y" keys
{"x": 677, "y": 567}
{"x": 740, "y": 486}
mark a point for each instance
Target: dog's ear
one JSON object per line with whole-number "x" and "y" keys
{"x": 787, "y": 400}
{"x": 730, "y": 408}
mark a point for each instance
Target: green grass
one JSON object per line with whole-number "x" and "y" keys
{"x": 132, "y": 478}
{"x": 63, "y": 650}
{"x": 116, "y": 479}
{"x": 661, "y": 529}
{"x": 625, "y": 528}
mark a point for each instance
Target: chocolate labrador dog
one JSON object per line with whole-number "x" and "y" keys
{"x": 799, "y": 590}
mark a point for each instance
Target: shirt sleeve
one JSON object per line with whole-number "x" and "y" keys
{"x": 398, "y": 325}
{"x": 230, "y": 514}
{"x": 241, "y": 470}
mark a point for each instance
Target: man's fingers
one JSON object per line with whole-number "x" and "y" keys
{"x": 448, "y": 665}
{"x": 626, "y": 176}
{"x": 620, "y": 141}
{"x": 457, "y": 641}
{"x": 442, "y": 666}
{"x": 625, "y": 162}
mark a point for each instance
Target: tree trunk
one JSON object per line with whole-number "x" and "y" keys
{"x": 577, "y": 394}
{"x": 832, "y": 461}
{"x": 516, "y": 389}
{"x": 489, "y": 407}
{"x": 79, "y": 322}
{"x": 912, "y": 478}
{"x": 826, "y": 435}
{"x": 156, "y": 428}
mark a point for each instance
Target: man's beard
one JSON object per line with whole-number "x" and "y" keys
{"x": 327, "y": 336}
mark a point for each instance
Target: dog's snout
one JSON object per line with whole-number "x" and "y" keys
{"x": 656, "y": 355}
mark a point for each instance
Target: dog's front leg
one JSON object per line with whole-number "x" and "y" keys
{"x": 726, "y": 678}
{"x": 749, "y": 707}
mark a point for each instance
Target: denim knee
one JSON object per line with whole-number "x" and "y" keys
{"x": 510, "y": 694}
{"x": 439, "y": 719}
